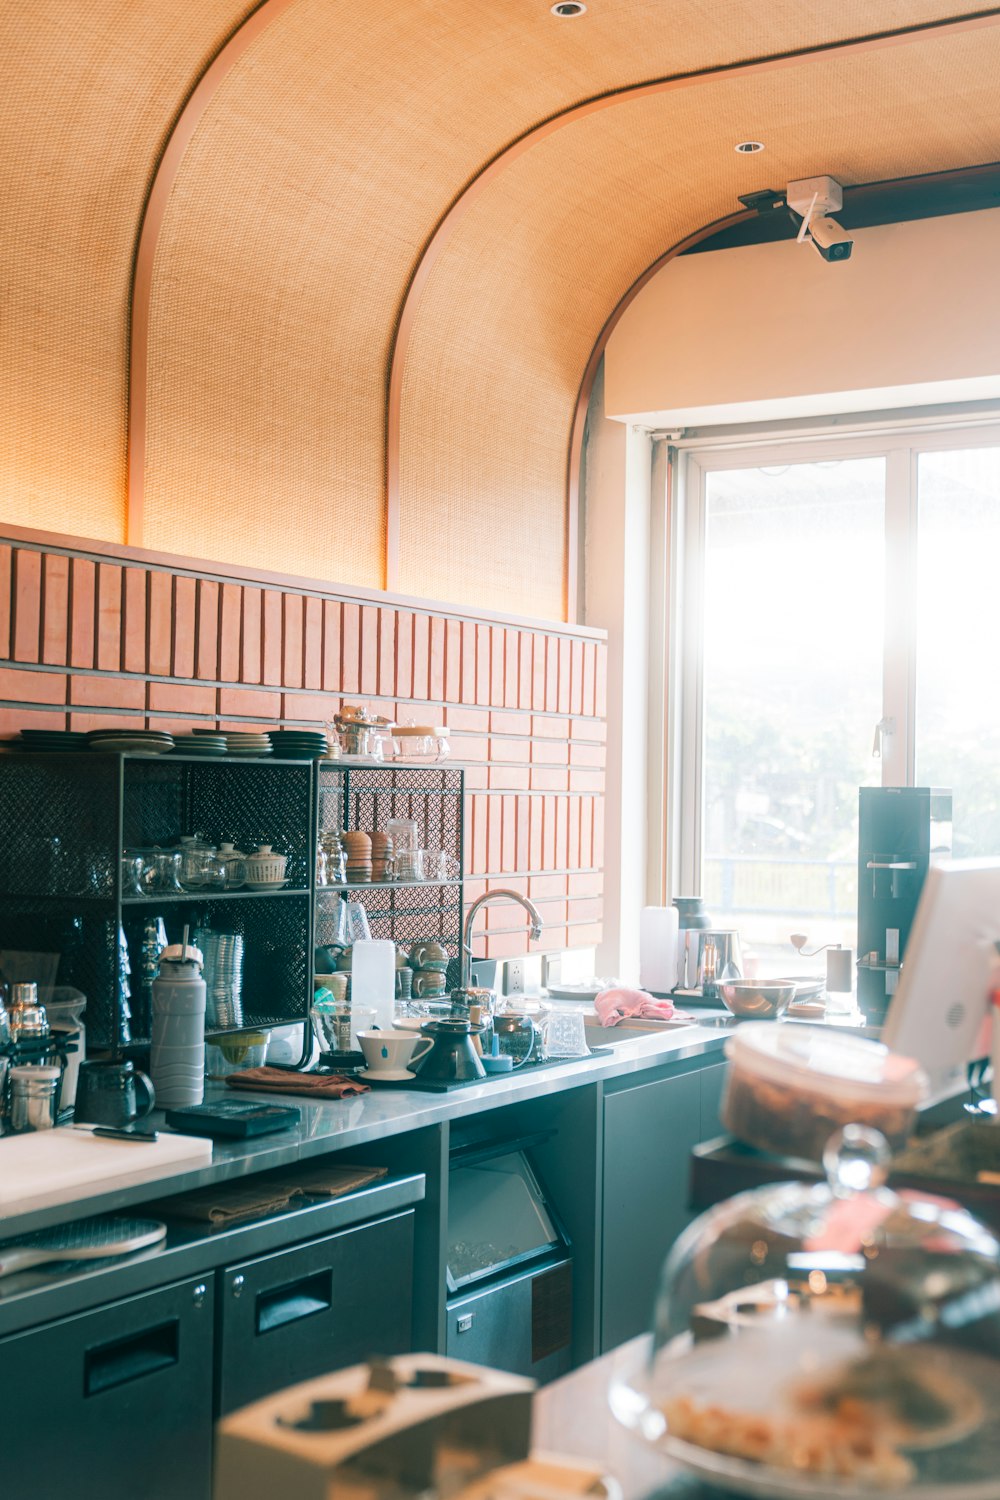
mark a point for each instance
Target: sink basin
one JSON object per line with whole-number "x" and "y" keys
{"x": 630, "y": 1030}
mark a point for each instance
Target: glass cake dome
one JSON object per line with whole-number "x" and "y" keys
{"x": 828, "y": 1340}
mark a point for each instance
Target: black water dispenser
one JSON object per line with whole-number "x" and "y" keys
{"x": 902, "y": 831}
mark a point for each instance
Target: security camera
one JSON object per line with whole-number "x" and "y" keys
{"x": 832, "y": 242}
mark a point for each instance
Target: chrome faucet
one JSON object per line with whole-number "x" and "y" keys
{"x": 474, "y": 910}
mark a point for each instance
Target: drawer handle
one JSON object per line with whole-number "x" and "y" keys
{"x": 289, "y": 1304}
{"x": 124, "y": 1360}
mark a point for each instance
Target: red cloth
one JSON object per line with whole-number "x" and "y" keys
{"x": 283, "y": 1081}
{"x": 614, "y": 1005}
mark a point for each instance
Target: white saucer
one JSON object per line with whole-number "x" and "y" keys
{"x": 388, "y": 1075}
{"x": 264, "y": 885}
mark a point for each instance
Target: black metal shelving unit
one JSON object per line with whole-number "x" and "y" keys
{"x": 67, "y": 817}
{"x": 366, "y": 798}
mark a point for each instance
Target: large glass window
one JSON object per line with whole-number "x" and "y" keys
{"x": 958, "y": 639}
{"x": 794, "y": 585}
{"x": 837, "y": 627}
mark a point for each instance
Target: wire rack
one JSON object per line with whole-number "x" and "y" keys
{"x": 367, "y": 798}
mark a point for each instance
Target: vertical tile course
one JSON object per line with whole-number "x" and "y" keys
{"x": 207, "y": 652}
{"x": 55, "y": 610}
{"x": 387, "y": 652}
{"x": 312, "y": 634}
{"x": 404, "y": 654}
{"x": 331, "y": 645}
{"x": 369, "y": 650}
{"x": 351, "y": 648}
{"x": 109, "y": 617}
{"x": 230, "y": 632}
{"x": 134, "y": 619}
{"x": 184, "y": 627}
{"x": 160, "y": 608}
{"x": 292, "y": 640}
{"x": 253, "y": 625}
{"x": 27, "y": 604}
{"x": 6, "y": 564}
{"x": 272, "y": 644}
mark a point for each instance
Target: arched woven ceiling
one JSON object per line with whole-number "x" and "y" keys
{"x": 575, "y": 220}
{"x": 312, "y": 183}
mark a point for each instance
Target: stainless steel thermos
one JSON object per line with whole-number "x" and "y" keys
{"x": 177, "y": 1061}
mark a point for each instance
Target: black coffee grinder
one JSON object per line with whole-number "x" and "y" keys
{"x": 902, "y": 831}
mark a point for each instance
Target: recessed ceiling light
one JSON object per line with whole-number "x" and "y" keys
{"x": 747, "y": 148}
{"x": 568, "y": 10}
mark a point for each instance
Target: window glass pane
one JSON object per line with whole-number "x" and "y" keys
{"x": 794, "y": 584}
{"x": 958, "y": 639}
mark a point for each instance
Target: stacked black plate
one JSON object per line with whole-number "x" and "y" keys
{"x": 200, "y": 743}
{"x": 298, "y": 744}
{"x": 51, "y": 739}
{"x": 135, "y": 741}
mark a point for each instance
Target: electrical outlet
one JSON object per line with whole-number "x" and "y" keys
{"x": 513, "y": 976}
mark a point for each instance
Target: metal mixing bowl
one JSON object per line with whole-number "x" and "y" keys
{"x": 752, "y": 1000}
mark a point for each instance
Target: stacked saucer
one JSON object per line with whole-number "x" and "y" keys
{"x": 245, "y": 742}
{"x": 298, "y": 744}
{"x": 200, "y": 742}
{"x": 50, "y": 739}
{"x": 135, "y": 741}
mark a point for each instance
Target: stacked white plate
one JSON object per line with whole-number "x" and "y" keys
{"x": 200, "y": 742}
{"x": 246, "y": 742}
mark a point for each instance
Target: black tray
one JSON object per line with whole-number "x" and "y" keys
{"x": 436, "y": 1086}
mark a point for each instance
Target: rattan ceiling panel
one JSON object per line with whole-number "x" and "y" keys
{"x": 88, "y": 95}
{"x": 307, "y": 193}
{"x": 518, "y": 298}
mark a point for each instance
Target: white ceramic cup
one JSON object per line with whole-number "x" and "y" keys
{"x": 392, "y": 1051}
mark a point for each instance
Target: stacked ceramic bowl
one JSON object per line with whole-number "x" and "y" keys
{"x": 298, "y": 744}
{"x": 359, "y": 857}
{"x": 248, "y": 742}
{"x": 135, "y": 741}
{"x": 200, "y": 742}
{"x": 223, "y": 973}
{"x": 49, "y": 740}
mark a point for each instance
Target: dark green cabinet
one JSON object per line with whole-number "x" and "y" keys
{"x": 650, "y": 1130}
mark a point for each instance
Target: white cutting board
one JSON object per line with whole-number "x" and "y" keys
{"x": 64, "y": 1165}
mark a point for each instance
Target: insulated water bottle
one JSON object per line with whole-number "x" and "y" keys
{"x": 177, "y": 1062}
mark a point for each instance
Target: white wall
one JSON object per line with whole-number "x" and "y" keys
{"x": 773, "y": 331}
{"x": 616, "y": 553}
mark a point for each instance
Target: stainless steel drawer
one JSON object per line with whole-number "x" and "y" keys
{"x": 298, "y": 1313}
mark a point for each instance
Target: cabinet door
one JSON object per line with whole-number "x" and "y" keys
{"x": 713, "y": 1083}
{"x": 112, "y": 1404}
{"x": 298, "y": 1313}
{"x": 649, "y": 1132}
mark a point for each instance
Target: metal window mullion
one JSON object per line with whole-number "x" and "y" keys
{"x": 689, "y": 660}
{"x": 899, "y": 649}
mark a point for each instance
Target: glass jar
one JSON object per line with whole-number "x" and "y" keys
{"x": 826, "y": 1339}
{"x": 235, "y": 862}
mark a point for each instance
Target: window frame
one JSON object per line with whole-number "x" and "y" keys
{"x": 900, "y": 441}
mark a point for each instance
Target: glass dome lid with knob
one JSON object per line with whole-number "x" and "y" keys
{"x": 832, "y": 1340}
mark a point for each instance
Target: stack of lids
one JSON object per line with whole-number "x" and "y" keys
{"x": 247, "y": 742}
{"x": 49, "y": 739}
{"x": 381, "y": 854}
{"x": 298, "y": 744}
{"x": 359, "y": 857}
{"x": 200, "y": 742}
{"x": 135, "y": 741}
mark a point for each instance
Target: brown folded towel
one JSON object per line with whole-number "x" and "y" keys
{"x": 228, "y": 1205}
{"x": 282, "y": 1081}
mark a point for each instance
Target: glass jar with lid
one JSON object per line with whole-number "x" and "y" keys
{"x": 827, "y": 1340}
